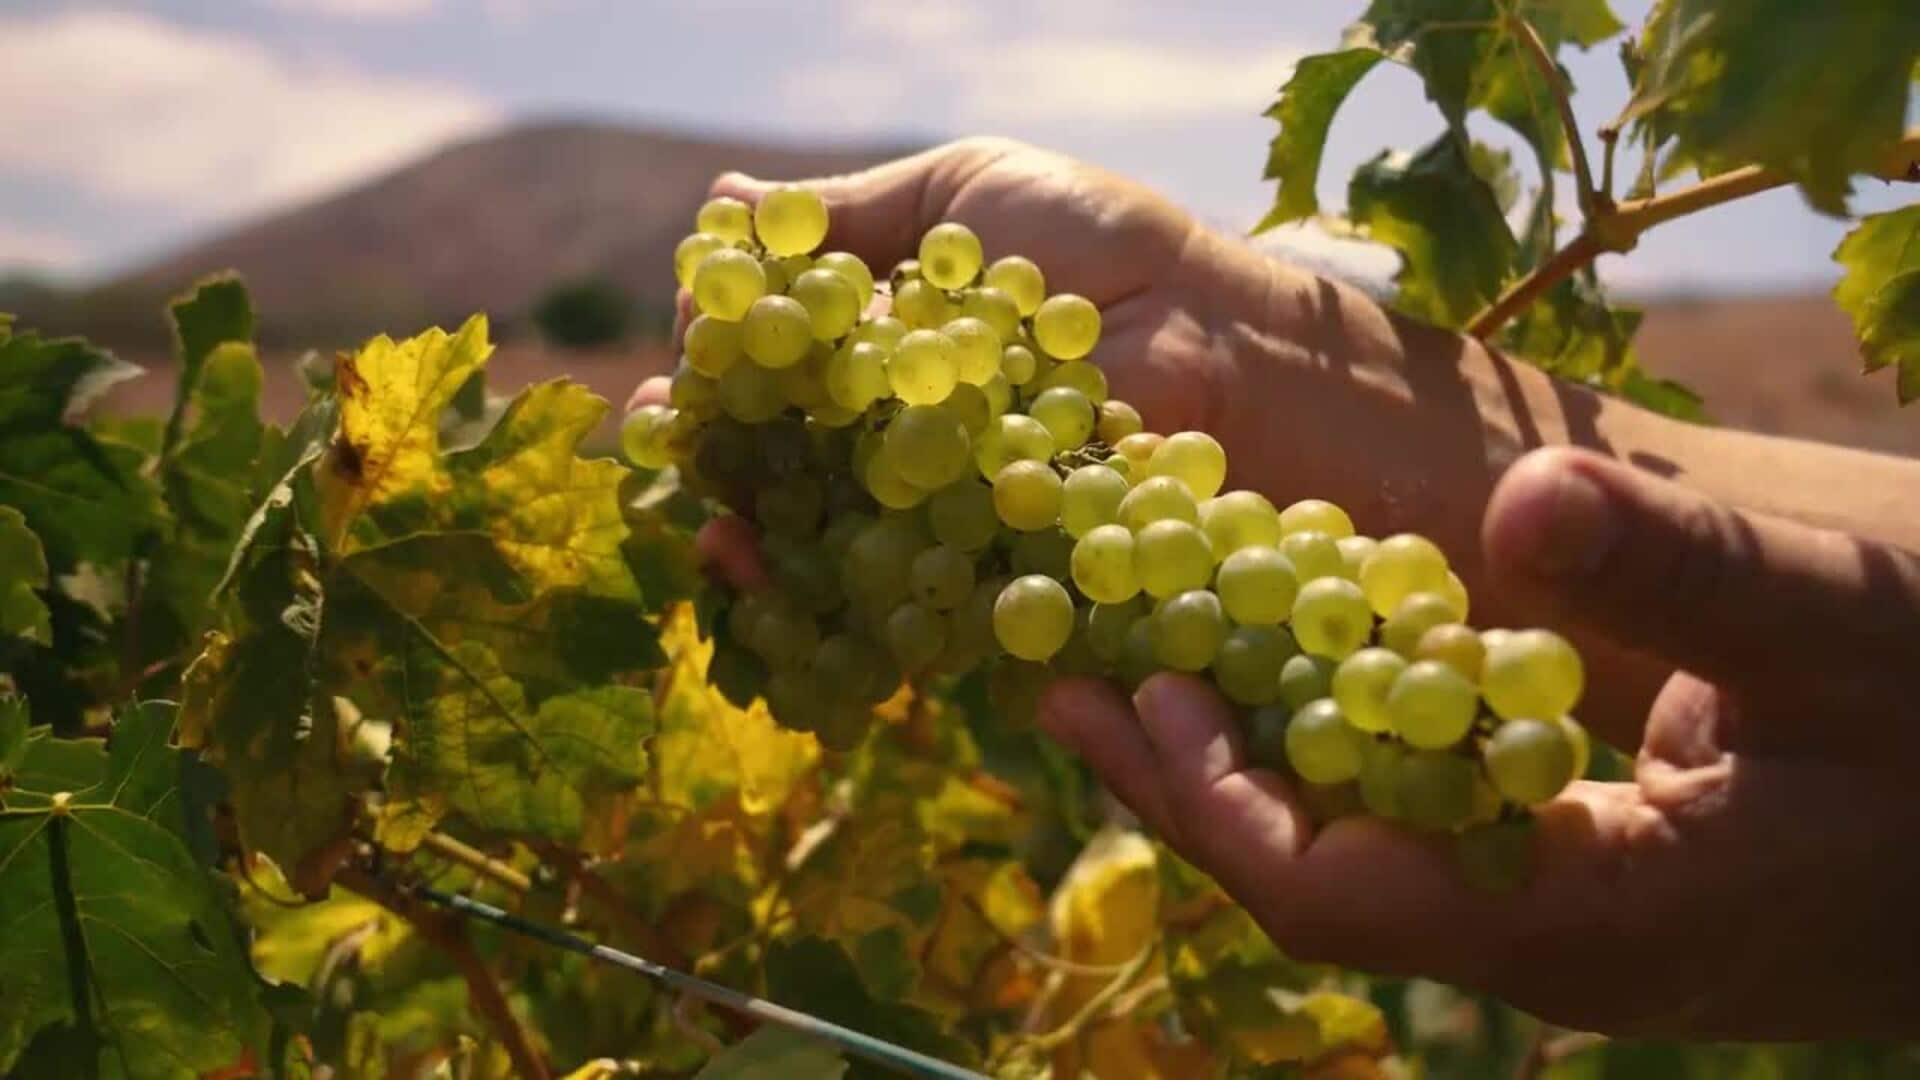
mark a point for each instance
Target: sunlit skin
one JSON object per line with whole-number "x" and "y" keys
{"x": 1749, "y": 608}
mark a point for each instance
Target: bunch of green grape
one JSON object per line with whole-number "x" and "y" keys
{"x": 941, "y": 483}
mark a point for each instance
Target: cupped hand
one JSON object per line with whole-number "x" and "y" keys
{"x": 1755, "y": 879}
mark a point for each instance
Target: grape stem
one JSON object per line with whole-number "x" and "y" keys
{"x": 1549, "y": 69}
{"x": 462, "y": 854}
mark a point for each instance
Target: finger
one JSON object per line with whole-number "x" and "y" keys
{"x": 1094, "y": 719}
{"x": 652, "y": 391}
{"x": 683, "y": 313}
{"x": 1724, "y": 593}
{"x": 729, "y": 548}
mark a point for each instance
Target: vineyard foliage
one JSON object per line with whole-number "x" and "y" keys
{"x": 260, "y": 680}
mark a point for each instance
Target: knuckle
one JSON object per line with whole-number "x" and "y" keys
{"x": 1713, "y": 545}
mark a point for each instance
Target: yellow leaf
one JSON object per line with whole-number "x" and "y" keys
{"x": 709, "y": 748}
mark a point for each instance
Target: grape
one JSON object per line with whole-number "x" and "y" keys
{"x": 993, "y": 307}
{"x": 1033, "y": 617}
{"x": 855, "y": 271}
{"x": 1017, "y": 364}
{"x": 690, "y": 252}
{"x": 857, "y": 375}
{"x": 712, "y": 345}
{"x": 727, "y": 282}
{"x": 1409, "y": 622}
{"x": 962, "y": 515}
{"x": 1079, "y": 375}
{"x": 1137, "y": 654}
{"x": 1117, "y": 420}
{"x": 792, "y": 509}
{"x": 1195, "y": 459}
{"x": 1330, "y": 617}
{"x": 1454, "y": 645}
{"x": 920, "y": 306}
{"x": 1257, "y": 585}
{"x": 1400, "y": 566}
{"x": 1102, "y": 564}
{"x": 1266, "y": 737}
{"x": 1434, "y": 790}
{"x": 922, "y": 369}
{"x": 1021, "y": 280}
{"x": 784, "y": 636}
{"x": 1009, "y": 439}
{"x": 1240, "y": 519}
{"x": 1161, "y": 498}
{"x": 1379, "y": 780}
{"x": 1172, "y": 556}
{"x": 942, "y": 577}
{"x": 1316, "y": 515}
{"x": 1496, "y": 857}
{"x": 882, "y": 330}
{"x": 1066, "y": 326}
{"x": 969, "y": 405}
{"x": 1137, "y": 449}
{"x": 1361, "y": 684}
{"x": 777, "y": 277}
{"x": 972, "y": 622}
{"x": 1091, "y": 498}
{"x": 793, "y": 695}
{"x": 1026, "y": 495}
{"x": 727, "y": 218}
{"x": 1188, "y": 629}
{"x": 1532, "y": 673}
{"x": 855, "y": 668}
{"x": 949, "y": 255}
{"x": 1529, "y": 761}
{"x": 976, "y": 349}
{"x": 1066, "y": 414}
{"x": 807, "y": 573}
{"x": 831, "y": 301}
{"x": 1043, "y": 551}
{"x": 776, "y": 332}
{"x": 928, "y": 446}
{"x": 643, "y": 436}
{"x": 916, "y": 636}
{"x": 805, "y": 384}
{"x": 904, "y": 271}
{"x": 790, "y": 220}
{"x": 879, "y": 561}
{"x": 1454, "y": 591}
{"x": 751, "y": 394}
{"x": 1304, "y": 678}
{"x": 1313, "y": 553}
{"x": 999, "y": 394}
{"x": 1321, "y": 746}
{"x": 1432, "y": 705}
{"x": 1353, "y": 553}
{"x": 886, "y": 484}
{"x": 1107, "y": 626}
{"x": 1582, "y": 745}
{"x": 1247, "y": 667}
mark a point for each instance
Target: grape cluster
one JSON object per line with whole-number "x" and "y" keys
{"x": 942, "y": 483}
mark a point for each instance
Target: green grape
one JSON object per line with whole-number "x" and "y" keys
{"x": 839, "y": 533}
{"x": 1188, "y": 630}
{"x": 1067, "y": 415}
{"x": 1532, "y": 673}
{"x": 1581, "y": 743}
{"x": 971, "y": 627}
{"x": 1033, "y": 617}
{"x": 1316, "y": 515}
{"x": 713, "y": 346}
{"x": 921, "y": 306}
{"x": 916, "y": 635}
{"x": 1257, "y": 585}
{"x": 785, "y": 636}
{"x": 1091, "y": 498}
{"x": 791, "y": 509}
{"x": 1043, "y": 551}
{"x": 922, "y": 369}
{"x": 1266, "y": 737}
{"x": 1076, "y": 656}
{"x": 1138, "y": 656}
{"x": 1409, "y": 622}
{"x": 777, "y": 277}
{"x": 805, "y": 383}
{"x": 857, "y": 375}
{"x": 643, "y": 436}
{"x": 962, "y": 515}
{"x": 1107, "y": 626}
{"x": 1321, "y": 746}
{"x": 942, "y": 577}
{"x": 1330, "y": 617}
{"x": 1172, "y": 556}
{"x": 1400, "y": 566}
{"x": 1434, "y": 789}
{"x": 806, "y": 572}
{"x": 879, "y": 561}
{"x": 1137, "y": 449}
{"x": 1495, "y": 858}
{"x": 1079, "y": 375}
{"x": 1194, "y": 458}
{"x": 928, "y": 446}
{"x": 976, "y": 349}
{"x": 1313, "y": 553}
{"x": 905, "y": 270}
{"x": 1017, "y": 363}
{"x": 1026, "y": 495}
{"x": 831, "y": 302}
{"x": 882, "y": 330}
{"x": 969, "y": 405}
{"x": 1379, "y": 780}
{"x": 1529, "y": 761}
{"x": 854, "y": 667}
{"x": 1240, "y": 519}
{"x": 727, "y": 282}
{"x": 1455, "y": 645}
{"x": 842, "y": 726}
{"x": 1361, "y": 684}
{"x": 1454, "y": 591}
{"x": 794, "y": 266}
{"x": 993, "y": 307}
{"x": 888, "y": 487}
{"x": 1353, "y": 553}
{"x": 1432, "y": 705}
{"x": 1160, "y": 498}
{"x": 950, "y": 255}
{"x": 690, "y": 252}
{"x": 751, "y": 394}
{"x": 1117, "y": 421}
{"x": 793, "y": 696}
{"x": 1021, "y": 280}
{"x": 790, "y": 220}
{"x": 854, "y": 269}
{"x": 1008, "y": 439}
{"x": 1066, "y": 326}
{"x": 1102, "y": 565}
{"x": 999, "y": 394}
{"x": 727, "y": 218}
{"x": 1247, "y": 668}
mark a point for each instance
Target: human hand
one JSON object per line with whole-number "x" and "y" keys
{"x": 1754, "y": 880}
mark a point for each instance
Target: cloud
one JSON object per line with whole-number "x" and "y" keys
{"x": 30, "y": 247}
{"x": 357, "y": 9}
{"x": 137, "y": 110}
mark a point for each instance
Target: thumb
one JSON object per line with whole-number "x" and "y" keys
{"x": 1725, "y": 593}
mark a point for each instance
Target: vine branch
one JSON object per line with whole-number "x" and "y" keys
{"x": 463, "y": 854}
{"x": 1543, "y": 61}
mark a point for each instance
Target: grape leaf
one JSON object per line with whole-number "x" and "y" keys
{"x": 1308, "y": 101}
{"x": 23, "y": 571}
{"x": 1455, "y": 246}
{"x": 1818, "y": 91}
{"x": 107, "y": 879}
{"x": 1881, "y": 291}
{"x": 818, "y": 976}
{"x": 775, "y": 1053}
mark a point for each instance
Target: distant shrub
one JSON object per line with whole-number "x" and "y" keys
{"x": 585, "y": 313}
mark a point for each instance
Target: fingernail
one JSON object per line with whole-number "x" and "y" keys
{"x": 1567, "y": 523}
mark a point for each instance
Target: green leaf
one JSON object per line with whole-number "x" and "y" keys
{"x": 1894, "y": 339}
{"x": 1446, "y": 223}
{"x": 1818, "y": 91}
{"x": 23, "y": 571}
{"x": 1309, "y": 99}
{"x": 775, "y": 1053}
{"x": 818, "y": 977}
{"x": 1882, "y": 294}
{"x": 166, "y": 990}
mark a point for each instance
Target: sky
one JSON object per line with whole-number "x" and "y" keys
{"x": 132, "y": 127}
